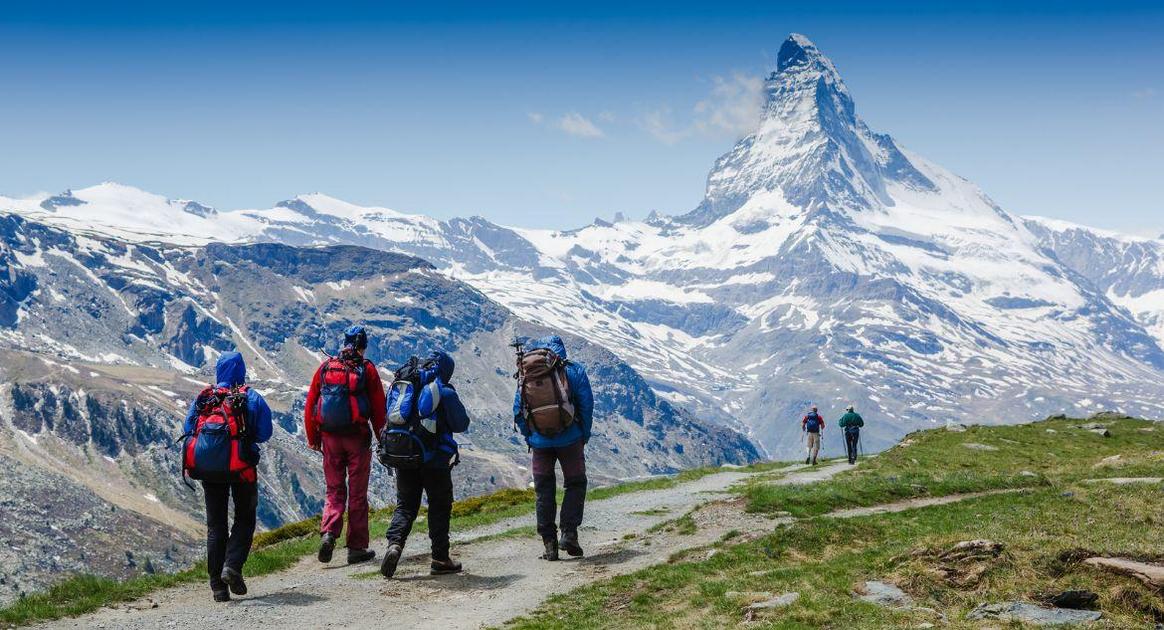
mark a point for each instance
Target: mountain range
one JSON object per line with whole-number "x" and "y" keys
{"x": 826, "y": 265}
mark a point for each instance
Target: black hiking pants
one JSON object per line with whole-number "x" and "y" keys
{"x": 572, "y": 458}
{"x": 852, "y": 439}
{"x": 437, "y": 485}
{"x": 229, "y": 547}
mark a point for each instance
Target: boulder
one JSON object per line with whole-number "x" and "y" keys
{"x": 884, "y": 594}
{"x": 1032, "y": 614}
{"x": 776, "y": 602}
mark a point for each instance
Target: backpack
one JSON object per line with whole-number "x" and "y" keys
{"x": 219, "y": 448}
{"x": 410, "y": 439}
{"x": 545, "y": 391}
{"x": 343, "y": 400}
{"x": 812, "y": 424}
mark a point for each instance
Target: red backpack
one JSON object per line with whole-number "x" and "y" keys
{"x": 219, "y": 449}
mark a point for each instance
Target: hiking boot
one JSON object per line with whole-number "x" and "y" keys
{"x": 356, "y": 556}
{"x": 234, "y": 580}
{"x": 326, "y": 547}
{"x": 391, "y": 557}
{"x": 551, "y": 552}
{"x": 570, "y": 544}
{"x": 222, "y": 596}
{"x": 814, "y": 461}
{"x": 807, "y": 460}
{"x": 444, "y": 566}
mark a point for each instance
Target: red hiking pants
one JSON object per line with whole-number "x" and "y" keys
{"x": 347, "y": 461}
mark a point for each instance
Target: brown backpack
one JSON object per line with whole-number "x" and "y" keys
{"x": 545, "y": 391}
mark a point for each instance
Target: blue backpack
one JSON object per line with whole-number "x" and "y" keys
{"x": 813, "y": 424}
{"x": 410, "y": 439}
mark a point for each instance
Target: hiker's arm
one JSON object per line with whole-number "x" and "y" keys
{"x": 261, "y": 413}
{"x": 518, "y": 418}
{"x": 191, "y": 417}
{"x": 584, "y": 399}
{"x": 375, "y": 390}
{"x": 310, "y": 419}
{"x": 455, "y": 416}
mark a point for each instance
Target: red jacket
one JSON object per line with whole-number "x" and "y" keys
{"x": 820, "y": 419}
{"x": 373, "y": 388}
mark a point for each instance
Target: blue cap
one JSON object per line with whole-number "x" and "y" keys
{"x": 356, "y": 337}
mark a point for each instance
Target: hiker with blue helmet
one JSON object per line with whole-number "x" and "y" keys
{"x": 851, "y": 424}
{"x": 428, "y": 426}
{"x": 553, "y": 408}
{"x": 345, "y": 408}
{"x": 813, "y": 426}
{"x": 223, "y": 429}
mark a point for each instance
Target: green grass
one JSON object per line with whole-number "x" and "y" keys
{"x": 280, "y": 548}
{"x": 936, "y": 463}
{"x": 1046, "y": 529}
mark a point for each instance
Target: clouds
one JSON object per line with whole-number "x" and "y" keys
{"x": 732, "y": 109}
{"x": 574, "y": 124}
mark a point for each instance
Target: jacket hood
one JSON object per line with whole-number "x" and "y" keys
{"x": 445, "y": 365}
{"x": 552, "y": 342}
{"x": 230, "y": 371}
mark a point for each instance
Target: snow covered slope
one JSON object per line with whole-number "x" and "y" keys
{"x": 825, "y": 264}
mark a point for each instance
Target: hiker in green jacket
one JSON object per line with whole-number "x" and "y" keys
{"x": 851, "y": 424}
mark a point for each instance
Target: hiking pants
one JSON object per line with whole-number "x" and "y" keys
{"x": 437, "y": 485}
{"x": 852, "y": 436}
{"x": 813, "y": 445}
{"x": 573, "y": 461}
{"x": 347, "y": 461}
{"x": 228, "y": 547}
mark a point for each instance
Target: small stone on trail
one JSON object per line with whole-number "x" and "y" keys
{"x": 1027, "y": 473}
{"x": 979, "y": 447}
{"x": 776, "y": 602}
{"x": 712, "y": 553}
{"x": 1034, "y": 615}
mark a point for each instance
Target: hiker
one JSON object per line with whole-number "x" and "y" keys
{"x": 851, "y": 424}
{"x": 554, "y": 408}
{"x": 223, "y": 429}
{"x": 345, "y": 396}
{"x": 424, "y": 412}
{"x": 813, "y": 425}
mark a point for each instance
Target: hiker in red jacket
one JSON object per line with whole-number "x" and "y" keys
{"x": 813, "y": 425}
{"x": 345, "y": 396}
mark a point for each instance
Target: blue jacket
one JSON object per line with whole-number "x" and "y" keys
{"x": 580, "y": 394}
{"x": 231, "y": 372}
{"x": 450, "y": 413}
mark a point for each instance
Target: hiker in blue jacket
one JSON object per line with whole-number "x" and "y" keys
{"x": 227, "y": 548}
{"x": 550, "y": 442}
{"x": 434, "y": 479}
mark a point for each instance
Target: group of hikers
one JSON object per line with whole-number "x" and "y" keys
{"x": 812, "y": 426}
{"x": 413, "y": 425}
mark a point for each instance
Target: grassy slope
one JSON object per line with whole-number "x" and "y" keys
{"x": 1046, "y": 529}
{"x": 280, "y": 548}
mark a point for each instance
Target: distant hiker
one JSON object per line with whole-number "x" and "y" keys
{"x": 554, "y": 408}
{"x": 223, "y": 428}
{"x": 423, "y": 413}
{"x": 345, "y": 396}
{"x": 813, "y": 425}
{"x": 851, "y": 424}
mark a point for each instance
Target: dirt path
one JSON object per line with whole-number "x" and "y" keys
{"x": 503, "y": 576}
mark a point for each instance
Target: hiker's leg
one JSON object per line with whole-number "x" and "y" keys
{"x": 359, "y": 467}
{"x": 409, "y": 485}
{"x": 438, "y": 487}
{"x": 573, "y": 460}
{"x": 335, "y": 470}
{"x": 545, "y": 487}
{"x": 217, "y": 496}
{"x": 242, "y": 532}
{"x": 813, "y": 445}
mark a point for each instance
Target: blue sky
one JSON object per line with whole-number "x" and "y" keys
{"x": 536, "y": 116}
